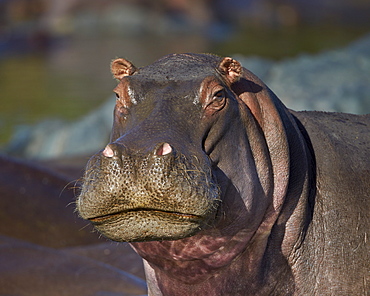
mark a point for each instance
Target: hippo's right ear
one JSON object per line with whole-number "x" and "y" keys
{"x": 121, "y": 68}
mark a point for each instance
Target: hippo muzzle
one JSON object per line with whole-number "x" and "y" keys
{"x": 133, "y": 197}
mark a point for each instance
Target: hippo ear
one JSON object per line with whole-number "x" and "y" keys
{"x": 230, "y": 69}
{"x": 121, "y": 68}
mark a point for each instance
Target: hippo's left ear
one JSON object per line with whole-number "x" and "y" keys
{"x": 230, "y": 69}
{"x": 121, "y": 68}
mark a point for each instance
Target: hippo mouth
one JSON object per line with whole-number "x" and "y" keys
{"x": 145, "y": 224}
{"x": 149, "y": 198}
{"x": 98, "y": 220}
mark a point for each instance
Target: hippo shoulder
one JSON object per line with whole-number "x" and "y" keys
{"x": 338, "y": 234}
{"x": 343, "y": 130}
{"x": 341, "y": 146}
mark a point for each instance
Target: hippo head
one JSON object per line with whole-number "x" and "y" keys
{"x": 177, "y": 122}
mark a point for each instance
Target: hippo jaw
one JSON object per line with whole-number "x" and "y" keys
{"x": 154, "y": 225}
{"x": 141, "y": 198}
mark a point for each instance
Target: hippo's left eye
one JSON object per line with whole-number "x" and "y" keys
{"x": 218, "y": 101}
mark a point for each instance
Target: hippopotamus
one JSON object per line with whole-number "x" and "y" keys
{"x": 222, "y": 190}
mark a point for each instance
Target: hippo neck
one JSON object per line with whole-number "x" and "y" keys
{"x": 208, "y": 262}
{"x": 241, "y": 245}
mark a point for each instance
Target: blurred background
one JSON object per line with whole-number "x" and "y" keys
{"x": 55, "y": 57}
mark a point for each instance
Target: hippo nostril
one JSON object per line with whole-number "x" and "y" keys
{"x": 108, "y": 151}
{"x": 164, "y": 149}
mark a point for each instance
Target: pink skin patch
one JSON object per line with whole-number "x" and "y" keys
{"x": 164, "y": 149}
{"x": 108, "y": 151}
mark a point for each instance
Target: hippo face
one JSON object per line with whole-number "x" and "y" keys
{"x": 157, "y": 180}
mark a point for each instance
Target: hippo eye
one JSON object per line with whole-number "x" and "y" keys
{"x": 218, "y": 100}
{"x": 121, "y": 109}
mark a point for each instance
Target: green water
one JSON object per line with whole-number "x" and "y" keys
{"x": 32, "y": 90}
{"x": 73, "y": 80}
{"x": 280, "y": 43}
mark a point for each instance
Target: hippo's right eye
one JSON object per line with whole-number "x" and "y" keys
{"x": 122, "y": 112}
{"x": 121, "y": 108}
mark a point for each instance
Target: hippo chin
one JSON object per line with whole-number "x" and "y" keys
{"x": 224, "y": 191}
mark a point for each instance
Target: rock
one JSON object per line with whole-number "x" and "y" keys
{"x": 46, "y": 249}
{"x": 336, "y": 80}
{"x": 38, "y": 205}
{"x": 28, "y": 269}
{"x": 55, "y": 138}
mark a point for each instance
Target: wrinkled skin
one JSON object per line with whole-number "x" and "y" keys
{"x": 223, "y": 191}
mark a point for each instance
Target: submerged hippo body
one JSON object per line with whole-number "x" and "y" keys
{"x": 224, "y": 191}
